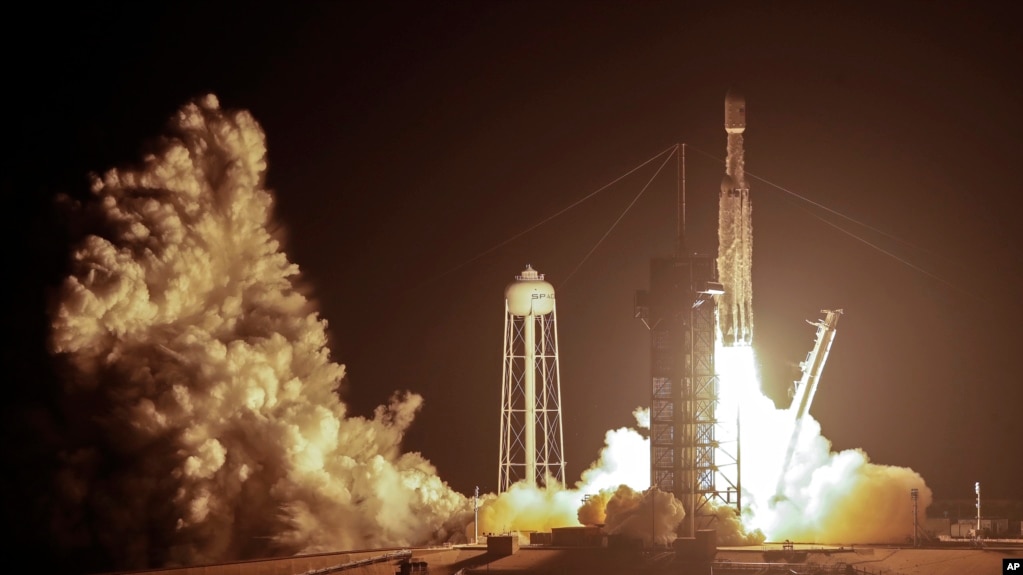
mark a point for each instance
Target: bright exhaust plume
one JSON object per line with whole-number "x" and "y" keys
{"x": 824, "y": 497}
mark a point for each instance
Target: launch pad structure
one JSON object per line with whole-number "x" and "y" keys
{"x": 686, "y": 457}
{"x": 693, "y": 300}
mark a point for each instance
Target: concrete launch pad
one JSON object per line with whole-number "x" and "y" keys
{"x": 768, "y": 558}
{"x": 862, "y": 560}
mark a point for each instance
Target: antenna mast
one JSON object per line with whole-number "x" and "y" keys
{"x": 680, "y": 201}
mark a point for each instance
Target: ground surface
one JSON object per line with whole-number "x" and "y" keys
{"x": 890, "y": 560}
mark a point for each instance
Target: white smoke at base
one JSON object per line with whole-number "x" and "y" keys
{"x": 828, "y": 497}
{"x": 624, "y": 460}
{"x": 203, "y": 417}
{"x": 614, "y": 491}
{"x": 652, "y": 516}
{"x": 825, "y": 497}
{"x": 206, "y": 423}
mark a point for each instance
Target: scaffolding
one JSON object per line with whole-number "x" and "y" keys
{"x": 686, "y": 458}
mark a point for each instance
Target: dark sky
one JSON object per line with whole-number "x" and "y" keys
{"x": 405, "y": 139}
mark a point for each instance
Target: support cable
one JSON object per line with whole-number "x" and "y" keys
{"x": 616, "y": 222}
{"x": 849, "y": 233}
{"x": 553, "y": 216}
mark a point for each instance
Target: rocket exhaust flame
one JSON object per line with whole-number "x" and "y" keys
{"x": 821, "y": 496}
{"x": 806, "y": 387}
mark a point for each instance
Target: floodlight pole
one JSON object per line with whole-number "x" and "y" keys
{"x": 976, "y": 488}
{"x": 914, "y": 493}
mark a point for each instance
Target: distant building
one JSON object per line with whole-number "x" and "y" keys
{"x": 989, "y": 527}
{"x": 937, "y": 527}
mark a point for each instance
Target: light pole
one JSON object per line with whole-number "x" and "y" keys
{"x": 976, "y": 487}
{"x": 914, "y": 493}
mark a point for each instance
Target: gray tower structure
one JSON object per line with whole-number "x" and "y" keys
{"x": 680, "y": 312}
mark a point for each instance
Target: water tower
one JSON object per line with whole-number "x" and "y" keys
{"x": 531, "y": 430}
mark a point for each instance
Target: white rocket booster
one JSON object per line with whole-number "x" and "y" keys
{"x": 812, "y": 367}
{"x": 735, "y": 234}
{"x": 806, "y": 387}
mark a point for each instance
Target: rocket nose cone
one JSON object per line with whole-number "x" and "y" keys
{"x": 735, "y": 112}
{"x": 727, "y": 184}
{"x": 734, "y": 97}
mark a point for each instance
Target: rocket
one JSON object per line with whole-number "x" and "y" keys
{"x": 735, "y": 234}
{"x": 806, "y": 387}
{"x": 735, "y": 113}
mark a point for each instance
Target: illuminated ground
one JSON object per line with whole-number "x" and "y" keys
{"x": 568, "y": 561}
{"x": 887, "y": 560}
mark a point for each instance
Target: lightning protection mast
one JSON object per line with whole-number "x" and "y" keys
{"x": 531, "y": 429}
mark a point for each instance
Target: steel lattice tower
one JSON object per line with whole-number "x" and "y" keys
{"x": 688, "y": 456}
{"x": 679, "y": 310}
{"x": 531, "y": 429}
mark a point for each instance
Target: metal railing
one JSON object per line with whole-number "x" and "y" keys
{"x": 727, "y": 568}
{"x": 403, "y": 554}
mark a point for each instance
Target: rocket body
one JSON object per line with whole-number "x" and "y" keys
{"x": 812, "y": 367}
{"x": 735, "y": 234}
{"x": 735, "y": 113}
{"x": 806, "y": 387}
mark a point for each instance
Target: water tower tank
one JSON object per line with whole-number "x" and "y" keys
{"x": 529, "y": 294}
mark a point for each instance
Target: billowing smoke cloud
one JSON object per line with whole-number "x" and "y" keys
{"x": 730, "y": 528}
{"x": 613, "y": 491}
{"x": 842, "y": 497}
{"x": 624, "y": 460}
{"x": 202, "y": 408}
{"x": 593, "y": 510}
{"x": 623, "y": 500}
{"x": 823, "y": 496}
{"x": 629, "y": 514}
{"x": 526, "y": 507}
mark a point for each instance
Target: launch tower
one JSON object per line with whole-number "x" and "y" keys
{"x": 680, "y": 311}
{"x": 531, "y": 429}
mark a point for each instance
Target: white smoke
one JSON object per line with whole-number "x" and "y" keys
{"x": 736, "y": 161}
{"x": 624, "y": 460}
{"x": 841, "y": 497}
{"x": 202, "y": 399}
{"x": 613, "y": 490}
{"x": 524, "y": 507}
{"x": 652, "y": 516}
{"x": 824, "y": 496}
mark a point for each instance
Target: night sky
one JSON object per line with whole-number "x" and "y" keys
{"x": 407, "y": 139}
